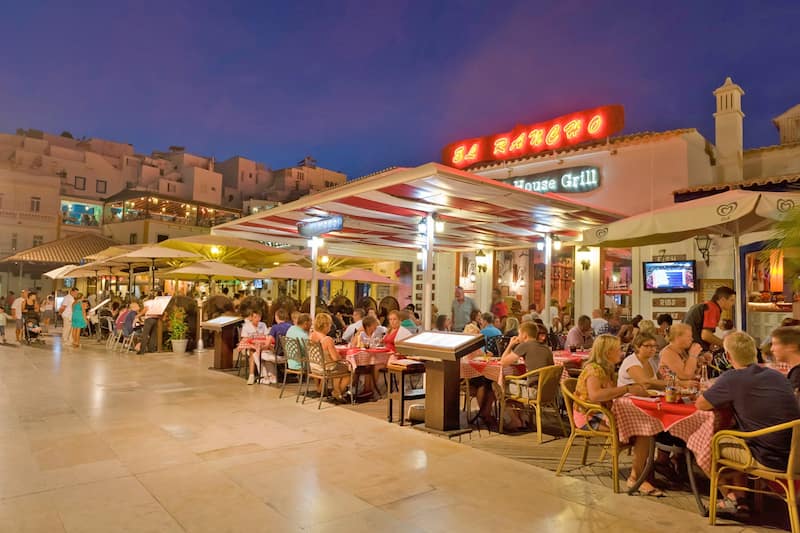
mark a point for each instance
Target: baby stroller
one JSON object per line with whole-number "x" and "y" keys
{"x": 31, "y": 329}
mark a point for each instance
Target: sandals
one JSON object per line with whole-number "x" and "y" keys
{"x": 730, "y": 506}
{"x": 646, "y": 489}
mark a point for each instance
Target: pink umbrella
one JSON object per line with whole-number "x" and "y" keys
{"x": 292, "y": 271}
{"x": 366, "y": 276}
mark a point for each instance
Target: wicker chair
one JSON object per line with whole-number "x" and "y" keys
{"x": 610, "y": 436}
{"x": 321, "y": 368}
{"x": 525, "y": 397}
{"x": 295, "y": 351}
{"x": 731, "y": 452}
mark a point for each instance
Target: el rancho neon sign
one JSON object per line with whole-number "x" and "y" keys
{"x": 561, "y": 132}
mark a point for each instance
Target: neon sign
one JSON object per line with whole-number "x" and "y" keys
{"x": 565, "y": 180}
{"x": 568, "y": 130}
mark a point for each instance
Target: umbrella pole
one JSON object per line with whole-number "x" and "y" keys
{"x": 19, "y": 287}
{"x": 427, "y": 274}
{"x": 313, "y": 306}
{"x": 737, "y": 283}
{"x": 548, "y": 276}
{"x": 153, "y": 276}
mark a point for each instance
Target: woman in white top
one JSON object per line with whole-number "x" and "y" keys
{"x": 641, "y": 366}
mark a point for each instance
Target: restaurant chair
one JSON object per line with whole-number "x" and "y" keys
{"x": 321, "y": 368}
{"x": 730, "y": 451}
{"x": 524, "y": 395}
{"x": 610, "y": 437}
{"x": 272, "y": 357}
{"x": 496, "y": 345}
{"x": 114, "y": 336}
{"x": 295, "y": 351}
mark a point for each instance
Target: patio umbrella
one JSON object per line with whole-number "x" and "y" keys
{"x": 291, "y": 271}
{"x": 210, "y": 270}
{"x": 56, "y": 273}
{"x": 366, "y": 276}
{"x": 231, "y": 250}
{"x": 730, "y": 213}
{"x": 153, "y": 253}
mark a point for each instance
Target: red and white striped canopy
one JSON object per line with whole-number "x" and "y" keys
{"x": 385, "y": 210}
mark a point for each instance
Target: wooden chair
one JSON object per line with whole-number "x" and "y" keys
{"x": 322, "y": 369}
{"x": 610, "y": 436}
{"x": 295, "y": 351}
{"x": 524, "y": 396}
{"x": 731, "y": 452}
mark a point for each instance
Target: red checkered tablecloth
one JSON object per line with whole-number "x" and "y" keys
{"x": 253, "y": 343}
{"x": 490, "y": 369}
{"x": 367, "y": 357}
{"x": 642, "y": 418}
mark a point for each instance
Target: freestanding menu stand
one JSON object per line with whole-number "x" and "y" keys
{"x": 224, "y": 328}
{"x": 441, "y": 353}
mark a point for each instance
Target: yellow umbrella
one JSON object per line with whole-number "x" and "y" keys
{"x": 233, "y": 251}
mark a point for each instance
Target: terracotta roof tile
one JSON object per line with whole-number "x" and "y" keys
{"x": 68, "y": 250}
{"x": 769, "y": 180}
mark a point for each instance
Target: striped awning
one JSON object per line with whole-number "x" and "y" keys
{"x": 385, "y": 210}
{"x": 72, "y": 249}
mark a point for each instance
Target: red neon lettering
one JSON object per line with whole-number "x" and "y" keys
{"x": 595, "y": 124}
{"x": 472, "y": 155}
{"x": 518, "y": 143}
{"x": 536, "y": 137}
{"x": 573, "y": 128}
{"x": 500, "y": 146}
{"x": 458, "y": 155}
{"x": 554, "y": 135}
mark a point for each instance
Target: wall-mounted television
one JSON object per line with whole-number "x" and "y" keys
{"x": 258, "y": 283}
{"x": 669, "y": 276}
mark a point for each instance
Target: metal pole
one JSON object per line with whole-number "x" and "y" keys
{"x": 737, "y": 282}
{"x": 548, "y": 275}
{"x": 19, "y": 285}
{"x": 314, "y": 243}
{"x": 427, "y": 273}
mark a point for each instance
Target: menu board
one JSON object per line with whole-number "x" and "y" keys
{"x": 216, "y": 324}
{"x": 157, "y": 305}
{"x": 439, "y": 345}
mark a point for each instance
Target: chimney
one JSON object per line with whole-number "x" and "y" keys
{"x": 728, "y": 131}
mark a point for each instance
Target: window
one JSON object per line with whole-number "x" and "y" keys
{"x": 101, "y": 186}
{"x": 80, "y": 183}
{"x": 171, "y": 187}
{"x": 133, "y": 238}
{"x": 14, "y": 238}
{"x": 38, "y": 240}
{"x": 36, "y": 204}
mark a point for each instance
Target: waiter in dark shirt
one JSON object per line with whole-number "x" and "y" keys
{"x": 704, "y": 317}
{"x": 759, "y": 397}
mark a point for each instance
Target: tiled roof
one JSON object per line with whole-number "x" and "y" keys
{"x": 772, "y": 147}
{"x": 616, "y": 142}
{"x": 720, "y": 187}
{"x": 68, "y": 250}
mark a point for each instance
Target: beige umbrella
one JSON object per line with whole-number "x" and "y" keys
{"x": 57, "y": 273}
{"x": 231, "y": 250}
{"x": 153, "y": 253}
{"x": 291, "y": 271}
{"x": 366, "y": 276}
{"x": 210, "y": 270}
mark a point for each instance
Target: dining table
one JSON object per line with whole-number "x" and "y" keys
{"x": 488, "y": 367}
{"x": 648, "y": 416}
{"x": 363, "y": 361}
{"x": 260, "y": 344}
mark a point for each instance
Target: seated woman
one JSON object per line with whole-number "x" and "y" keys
{"x": 596, "y": 385}
{"x": 681, "y": 356}
{"x": 443, "y": 323}
{"x": 368, "y": 336}
{"x": 323, "y": 322}
{"x": 641, "y": 366}
{"x": 253, "y": 327}
{"x": 511, "y": 327}
{"x": 481, "y": 387}
{"x": 396, "y": 331}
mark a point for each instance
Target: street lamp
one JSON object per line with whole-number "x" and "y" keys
{"x": 481, "y": 261}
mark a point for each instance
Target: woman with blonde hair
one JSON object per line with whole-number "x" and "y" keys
{"x": 597, "y": 384}
{"x": 682, "y": 355}
{"x": 323, "y": 322}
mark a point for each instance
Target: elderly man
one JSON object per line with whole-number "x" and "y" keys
{"x": 358, "y": 316}
{"x": 599, "y": 324}
{"x": 760, "y": 398}
{"x": 66, "y": 315}
{"x": 462, "y": 309}
{"x": 17, "y": 309}
{"x": 580, "y": 336}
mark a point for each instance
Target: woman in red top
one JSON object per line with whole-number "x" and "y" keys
{"x": 396, "y": 332}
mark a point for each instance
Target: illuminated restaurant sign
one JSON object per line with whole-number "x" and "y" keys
{"x": 320, "y": 226}
{"x": 565, "y": 180}
{"x": 561, "y": 132}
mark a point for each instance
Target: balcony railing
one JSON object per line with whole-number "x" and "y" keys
{"x": 28, "y": 216}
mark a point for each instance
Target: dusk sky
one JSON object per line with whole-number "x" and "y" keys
{"x": 366, "y": 85}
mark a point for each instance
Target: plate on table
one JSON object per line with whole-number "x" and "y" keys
{"x": 653, "y": 393}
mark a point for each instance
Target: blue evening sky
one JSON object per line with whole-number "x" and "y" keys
{"x": 362, "y": 85}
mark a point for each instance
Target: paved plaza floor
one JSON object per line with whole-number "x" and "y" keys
{"x": 92, "y": 441}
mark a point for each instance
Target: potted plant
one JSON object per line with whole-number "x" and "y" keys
{"x": 177, "y": 327}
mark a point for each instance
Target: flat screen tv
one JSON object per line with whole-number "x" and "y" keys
{"x": 258, "y": 283}
{"x": 669, "y": 276}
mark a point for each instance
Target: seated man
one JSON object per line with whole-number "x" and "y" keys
{"x": 486, "y": 323}
{"x": 760, "y": 398}
{"x": 580, "y": 336}
{"x": 350, "y": 331}
{"x": 253, "y": 327}
{"x": 786, "y": 349}
{"x": 369, "y": 335}
{"x": 536, "y": 355}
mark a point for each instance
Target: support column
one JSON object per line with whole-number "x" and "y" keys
{"x": 427, "y": 273}
{"x": 548, "y": 277}
{"x": 314, "y": 243}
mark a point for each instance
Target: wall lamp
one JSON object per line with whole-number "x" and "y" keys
{"x": 703, "y": 243}
{"x": 584, "y": 252}
{"x": 481, "y": 261}
{"x": 556, "y": 243}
